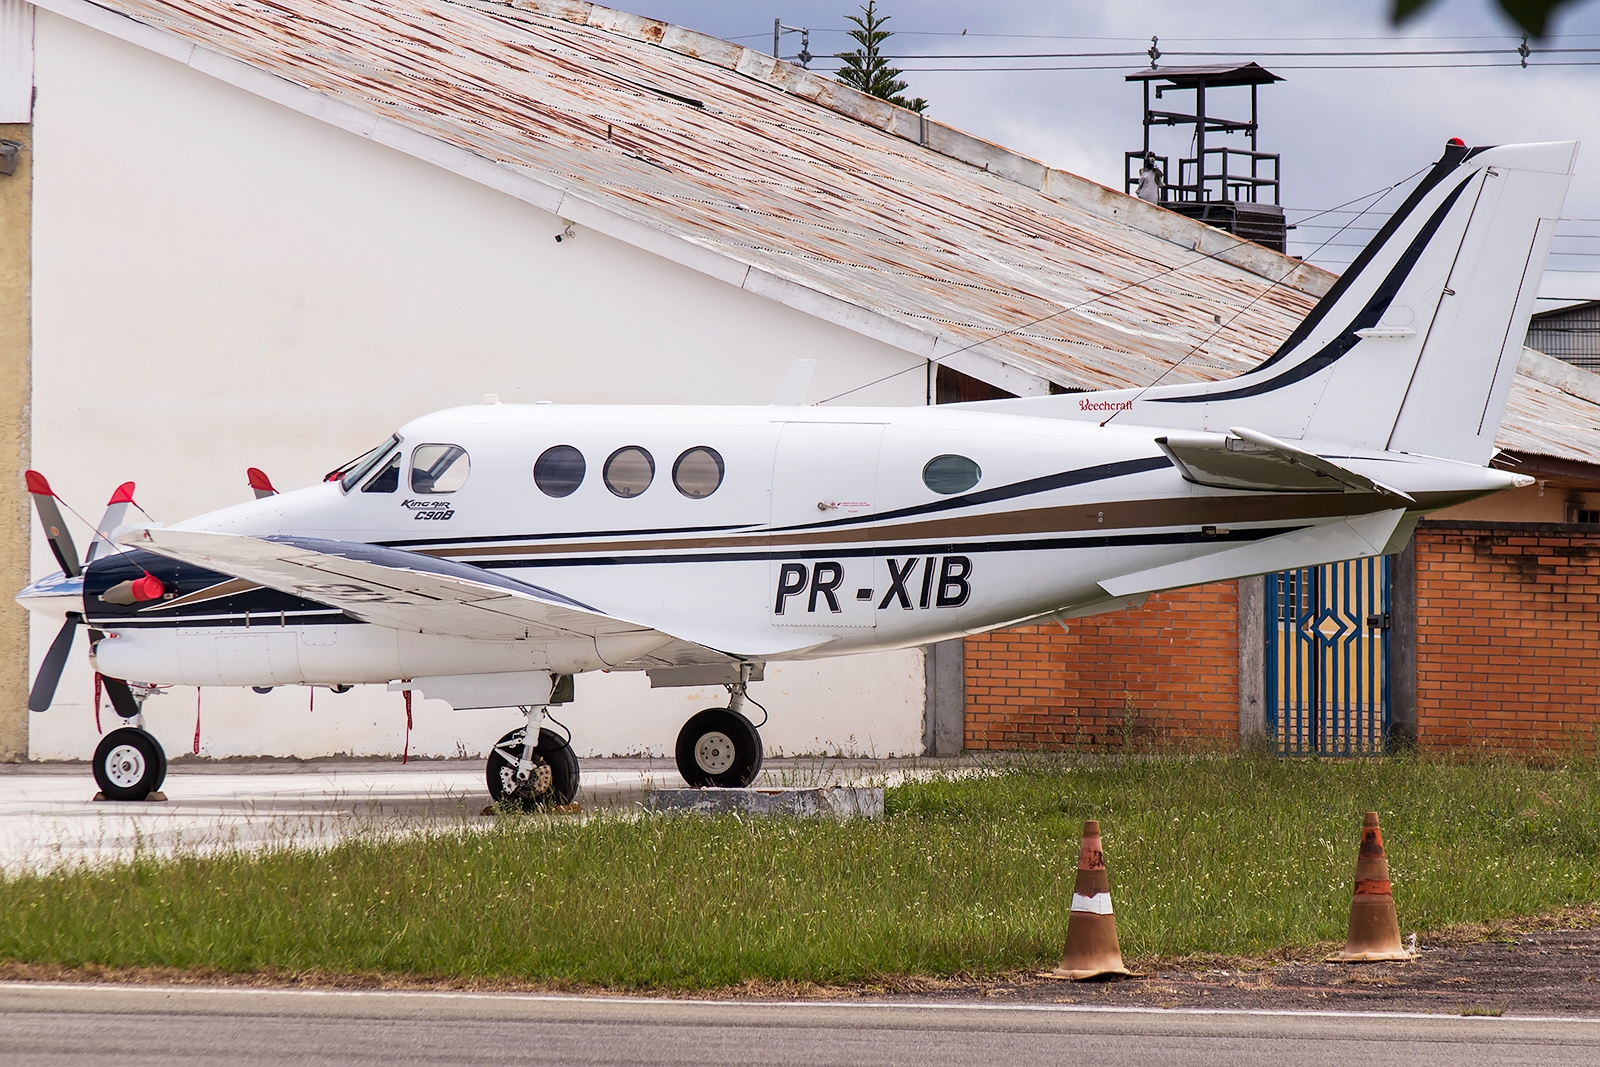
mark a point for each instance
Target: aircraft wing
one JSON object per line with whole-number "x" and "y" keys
{"x": 1245, "y": 459}
{"x": 410, "y": 591}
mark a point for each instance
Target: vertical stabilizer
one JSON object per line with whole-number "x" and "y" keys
{"x": 1414, "y": 347}
{"x": 1457, "y": 394}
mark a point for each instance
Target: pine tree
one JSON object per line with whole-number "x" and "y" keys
{"x": 866, "y": 69}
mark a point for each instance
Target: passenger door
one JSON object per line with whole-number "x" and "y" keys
{"x": 824, "y": 486}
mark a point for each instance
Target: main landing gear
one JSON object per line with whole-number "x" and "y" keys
{"x": 543, "y": 774}
{"x": 719, "y": 746}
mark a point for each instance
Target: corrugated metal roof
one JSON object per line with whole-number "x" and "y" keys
{"x": 793, "y": 178}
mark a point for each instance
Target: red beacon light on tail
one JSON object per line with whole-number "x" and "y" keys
{"x": 1456, "y": 142}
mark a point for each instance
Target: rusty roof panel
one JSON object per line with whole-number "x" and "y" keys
{"x": 792, "y": 174}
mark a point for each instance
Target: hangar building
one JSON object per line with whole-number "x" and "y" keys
{"x": 238, "y": 234}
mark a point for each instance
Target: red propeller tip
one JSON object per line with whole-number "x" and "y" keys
{"x": 37, "y": 484}
{"x": 259, "y": 480}
{"x": 123, "y": 495}
{"x": 147, "y": 588}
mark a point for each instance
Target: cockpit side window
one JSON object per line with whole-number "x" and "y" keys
{"x": 351, "y": 473}
{"x": 387, "y": 480}
{"x": 439, "y": 468}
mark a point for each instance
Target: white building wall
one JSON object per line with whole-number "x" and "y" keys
{"x": 220, "y": 282}
{"x": 16, "y": 61}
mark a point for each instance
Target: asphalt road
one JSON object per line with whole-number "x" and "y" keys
{"x": 131, "y": 1026}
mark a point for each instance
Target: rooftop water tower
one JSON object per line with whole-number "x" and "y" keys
{"x": 1226, "y": 182}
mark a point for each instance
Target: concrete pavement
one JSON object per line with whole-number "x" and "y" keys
{"x": 132, "y": 1026}
{"x": 48, "y": 819}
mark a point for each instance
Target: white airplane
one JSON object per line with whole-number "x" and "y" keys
{"x": 484, "y": 555}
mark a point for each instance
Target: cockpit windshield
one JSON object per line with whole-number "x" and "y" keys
{"x": 352, "y": 472}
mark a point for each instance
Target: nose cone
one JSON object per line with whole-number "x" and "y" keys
{"x": 53, "y": 596}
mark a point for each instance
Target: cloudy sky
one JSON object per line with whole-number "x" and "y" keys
{"x": 1343, "y": 128}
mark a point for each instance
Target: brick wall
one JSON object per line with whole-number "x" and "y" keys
{"x": 1166, "y": 673}
{"x": 1508, "y": 635}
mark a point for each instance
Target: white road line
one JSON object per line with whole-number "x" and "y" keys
{"x": 940, "y": 1005}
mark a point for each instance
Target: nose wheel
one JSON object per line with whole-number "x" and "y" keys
{"x": 129, "y": 764}
{"x": 719, "y": 747}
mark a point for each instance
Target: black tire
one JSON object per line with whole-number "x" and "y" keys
{"x": 552, "y": 752}
{"x": 161, "y": 754}
{"x": 128, "y": 764}
{"x": 719, "y": 747}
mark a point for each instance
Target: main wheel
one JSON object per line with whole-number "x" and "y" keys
{"x": 719, "y": 747}
{"x": 128, "y": 764}
{"x": 554, "y": 780}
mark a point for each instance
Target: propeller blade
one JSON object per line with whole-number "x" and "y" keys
{"x": 121, "y": 697}
{"x": 55, "y": 529}
{"x": 116, "y": 514}
{"x": 44, "y": 686}
{"x": 260, "y": 482}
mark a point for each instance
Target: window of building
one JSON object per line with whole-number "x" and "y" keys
{"x": 950, "y": 474}
{"x": 629, "y": 471}
{"x": 439, "y": 468}
{"x": 698, "y": 472}
{"x": 1580, "y": 514}
{"x": 559, "y": 471}
{"x": 387, "y": 480}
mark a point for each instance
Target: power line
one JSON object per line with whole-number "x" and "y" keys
{"x": 1168, "y": 54}
{"x": 1280, "y": 66}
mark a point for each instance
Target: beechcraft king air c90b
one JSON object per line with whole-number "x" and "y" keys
{"x": 485, "y": 555}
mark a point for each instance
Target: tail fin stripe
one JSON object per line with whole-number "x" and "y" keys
{"x": 1453, "y": 157}
{"x": 1368, "y": 316}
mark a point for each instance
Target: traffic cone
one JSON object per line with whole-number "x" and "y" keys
{"x": 1091, "y": 948}
{"x": 1374, "y": 929}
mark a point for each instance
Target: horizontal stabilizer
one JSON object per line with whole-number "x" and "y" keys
{"x": 1244, "y": 459}
{"x": 1364, "y": 535}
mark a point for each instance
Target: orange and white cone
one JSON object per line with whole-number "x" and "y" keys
{"x": 1374, "y": 929}
{"x": 1091, "y": 948}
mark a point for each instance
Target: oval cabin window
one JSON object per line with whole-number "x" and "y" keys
{"x": 698, "y": 472}
{"x": 950, "y": 474}
{"x": 559, "y": 471}
{"x": 439, "y": 468}
{"x": 629, "y": 471}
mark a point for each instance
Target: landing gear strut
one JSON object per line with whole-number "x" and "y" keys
{"x": 719, "y": 746}
{"x": 542, "y": 774}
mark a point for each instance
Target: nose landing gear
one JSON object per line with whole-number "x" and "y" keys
{"x": 129, "y": 764}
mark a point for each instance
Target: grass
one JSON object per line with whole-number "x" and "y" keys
{"x": 1208, "y": 856}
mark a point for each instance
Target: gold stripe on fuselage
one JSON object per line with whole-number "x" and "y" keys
{"x": 1161, "y": 513}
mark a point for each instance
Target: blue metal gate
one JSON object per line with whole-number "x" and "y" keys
{"x": 1328, "y": 659}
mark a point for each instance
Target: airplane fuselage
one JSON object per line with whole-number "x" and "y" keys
{"x": 766, "y": 533}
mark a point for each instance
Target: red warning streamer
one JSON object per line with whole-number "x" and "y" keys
{"x": 196, "y": 720}
{"x": 98, "y": 686}
{"x": 405, "y": 754}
